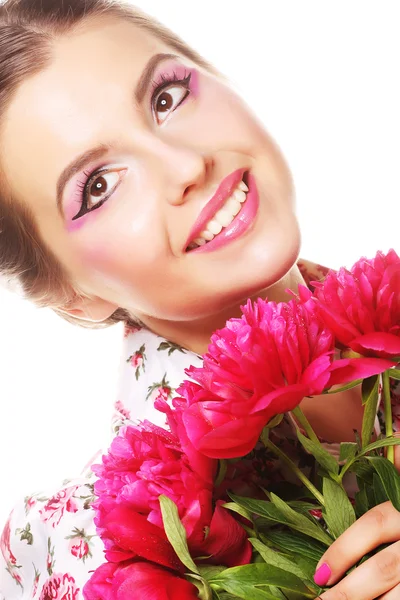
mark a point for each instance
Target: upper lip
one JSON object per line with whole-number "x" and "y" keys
{"x": 225, "y": 189}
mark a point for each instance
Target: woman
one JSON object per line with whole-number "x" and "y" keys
{"x": 165, "y": 214}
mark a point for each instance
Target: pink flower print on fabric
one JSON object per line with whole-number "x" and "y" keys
{"x": 137, "y": 360}
{"x": 120, "y": 408}
{"x": 79, "y": 548}
{"x": 35, "y": 582}
{"x": 79, "y": 545}
{"x": 55, "y": 507}
{"x": 160, "y": 390}
{"x": 5, "y": 546}
{"x": 131, "y": 329}
{"x": 30, "y": 502}
{"x": 60, "y": 586}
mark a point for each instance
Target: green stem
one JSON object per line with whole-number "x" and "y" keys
{"x": 305, "y": 423}
{"x": 388, "y": 413}
{"x": 296, "y": 470}
{"x": 343, "y": 388}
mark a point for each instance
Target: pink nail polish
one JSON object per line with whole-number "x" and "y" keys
{"x": 322, "y": 575}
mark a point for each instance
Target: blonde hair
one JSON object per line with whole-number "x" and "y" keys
{"x": 27, "y": 30}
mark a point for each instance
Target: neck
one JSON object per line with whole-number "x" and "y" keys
{"x": 195, "y": 335}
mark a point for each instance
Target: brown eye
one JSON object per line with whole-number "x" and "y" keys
{"x": 164, "y": 102}
{"x": 169, "y": 99}
{"x": 100, "y": 186}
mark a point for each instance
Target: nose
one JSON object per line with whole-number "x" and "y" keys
{"x": 183, "y": 169}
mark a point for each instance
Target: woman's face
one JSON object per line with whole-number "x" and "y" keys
{"x": 171, "y": 134}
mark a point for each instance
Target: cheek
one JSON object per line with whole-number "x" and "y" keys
{"x": 120, "y": 257}
{"x": 222, "y": 117}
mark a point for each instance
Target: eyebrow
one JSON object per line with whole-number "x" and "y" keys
{"x": 100, "y": 150}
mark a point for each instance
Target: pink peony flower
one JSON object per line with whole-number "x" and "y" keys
{"x": 54, "y": 509}
{"x": 143, "y": 463}
{"x": 137, "y": 580}
{"x": 256, "y": 367}
{"x": 60, "y": 586}
{"x": 362, "y": 306}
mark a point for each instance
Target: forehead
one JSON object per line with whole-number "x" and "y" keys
{"x": 61, "y": 111}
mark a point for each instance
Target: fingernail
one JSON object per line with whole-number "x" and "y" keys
{"x": 322, "y": 575}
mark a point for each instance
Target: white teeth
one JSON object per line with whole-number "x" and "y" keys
{"x": 199, "y": 241}
{"x": 233, "y": 206}
{"x": 214, "y": 227}
{"x": 239, "y": 195}
{"x": 207, "y": 235}
{"x": 224, "y": 217}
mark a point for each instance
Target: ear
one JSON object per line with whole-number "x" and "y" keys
{"x": 89, "y": 309}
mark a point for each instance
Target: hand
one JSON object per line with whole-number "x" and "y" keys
{"x": 379, "y": 576}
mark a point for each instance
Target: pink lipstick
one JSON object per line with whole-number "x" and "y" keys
{"x": 222, "y": 194}
{"x": 242, "y": 221}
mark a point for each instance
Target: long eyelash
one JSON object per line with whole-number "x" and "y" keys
{"x": 167, "y": 79}
{"x": 82, "y": 186}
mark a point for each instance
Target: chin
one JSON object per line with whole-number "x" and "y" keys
{"x": 269, "y": 261}
{"x": 257, "y": 269}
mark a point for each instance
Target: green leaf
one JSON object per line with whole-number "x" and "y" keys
{"x": 389, "y": 477}
{"x": 277, "y": 593}
{"x": 369, "y": 388}
{"x": 339, "y": 513}
{"x": 361, "y": 503}
{"x": 210, "y": 571}
{"x": 240, "y": 510}
{"x": 379, "y": 490}
{"x": 295, "y": 543}
{"x": 285, "y": 516}
{"x": 370, "y": 496}
{"x": 222, "y": 469}
{"x": 301, "y": 522}
{"x": 301, "y": 506}
{"x": 204, "y": 591}
{"x": 271, "y": 557}
{"x": 347, "y": 450}
{"x": 389, "y": 441}
{"x": 322, "y": 456}
{"x": 394, "y": 373}
{"x": 263, "y": 508}
{"x": 176, "y": 532}
{"x": 246, "y": 591}
{"x": 261, "y": 575}
{"x": 364, "y": 470}
{"x": 370, "y": 399}
{"x": 274, "y": 421}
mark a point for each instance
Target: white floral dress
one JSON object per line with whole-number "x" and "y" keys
{"x": 49, "y": 545}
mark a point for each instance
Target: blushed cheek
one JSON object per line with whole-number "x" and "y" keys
{"x": 70, "y": 211}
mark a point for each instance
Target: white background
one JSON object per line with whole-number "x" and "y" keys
{"x": 323, "y": 76}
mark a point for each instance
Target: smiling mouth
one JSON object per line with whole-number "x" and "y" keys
{"x": 224, "y": 216}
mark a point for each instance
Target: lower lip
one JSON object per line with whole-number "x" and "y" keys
{"x": 240, "y": 224}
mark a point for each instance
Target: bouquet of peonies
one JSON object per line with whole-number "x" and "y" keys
{"x": 198, "y": 510}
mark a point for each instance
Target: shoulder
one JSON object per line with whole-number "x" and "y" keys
{"x": 49, "y": 544}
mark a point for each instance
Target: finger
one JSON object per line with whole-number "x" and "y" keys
{"x": 394, "y": 594}
{"x": 377, "y": 576}
{"x": 378, "y": 526}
